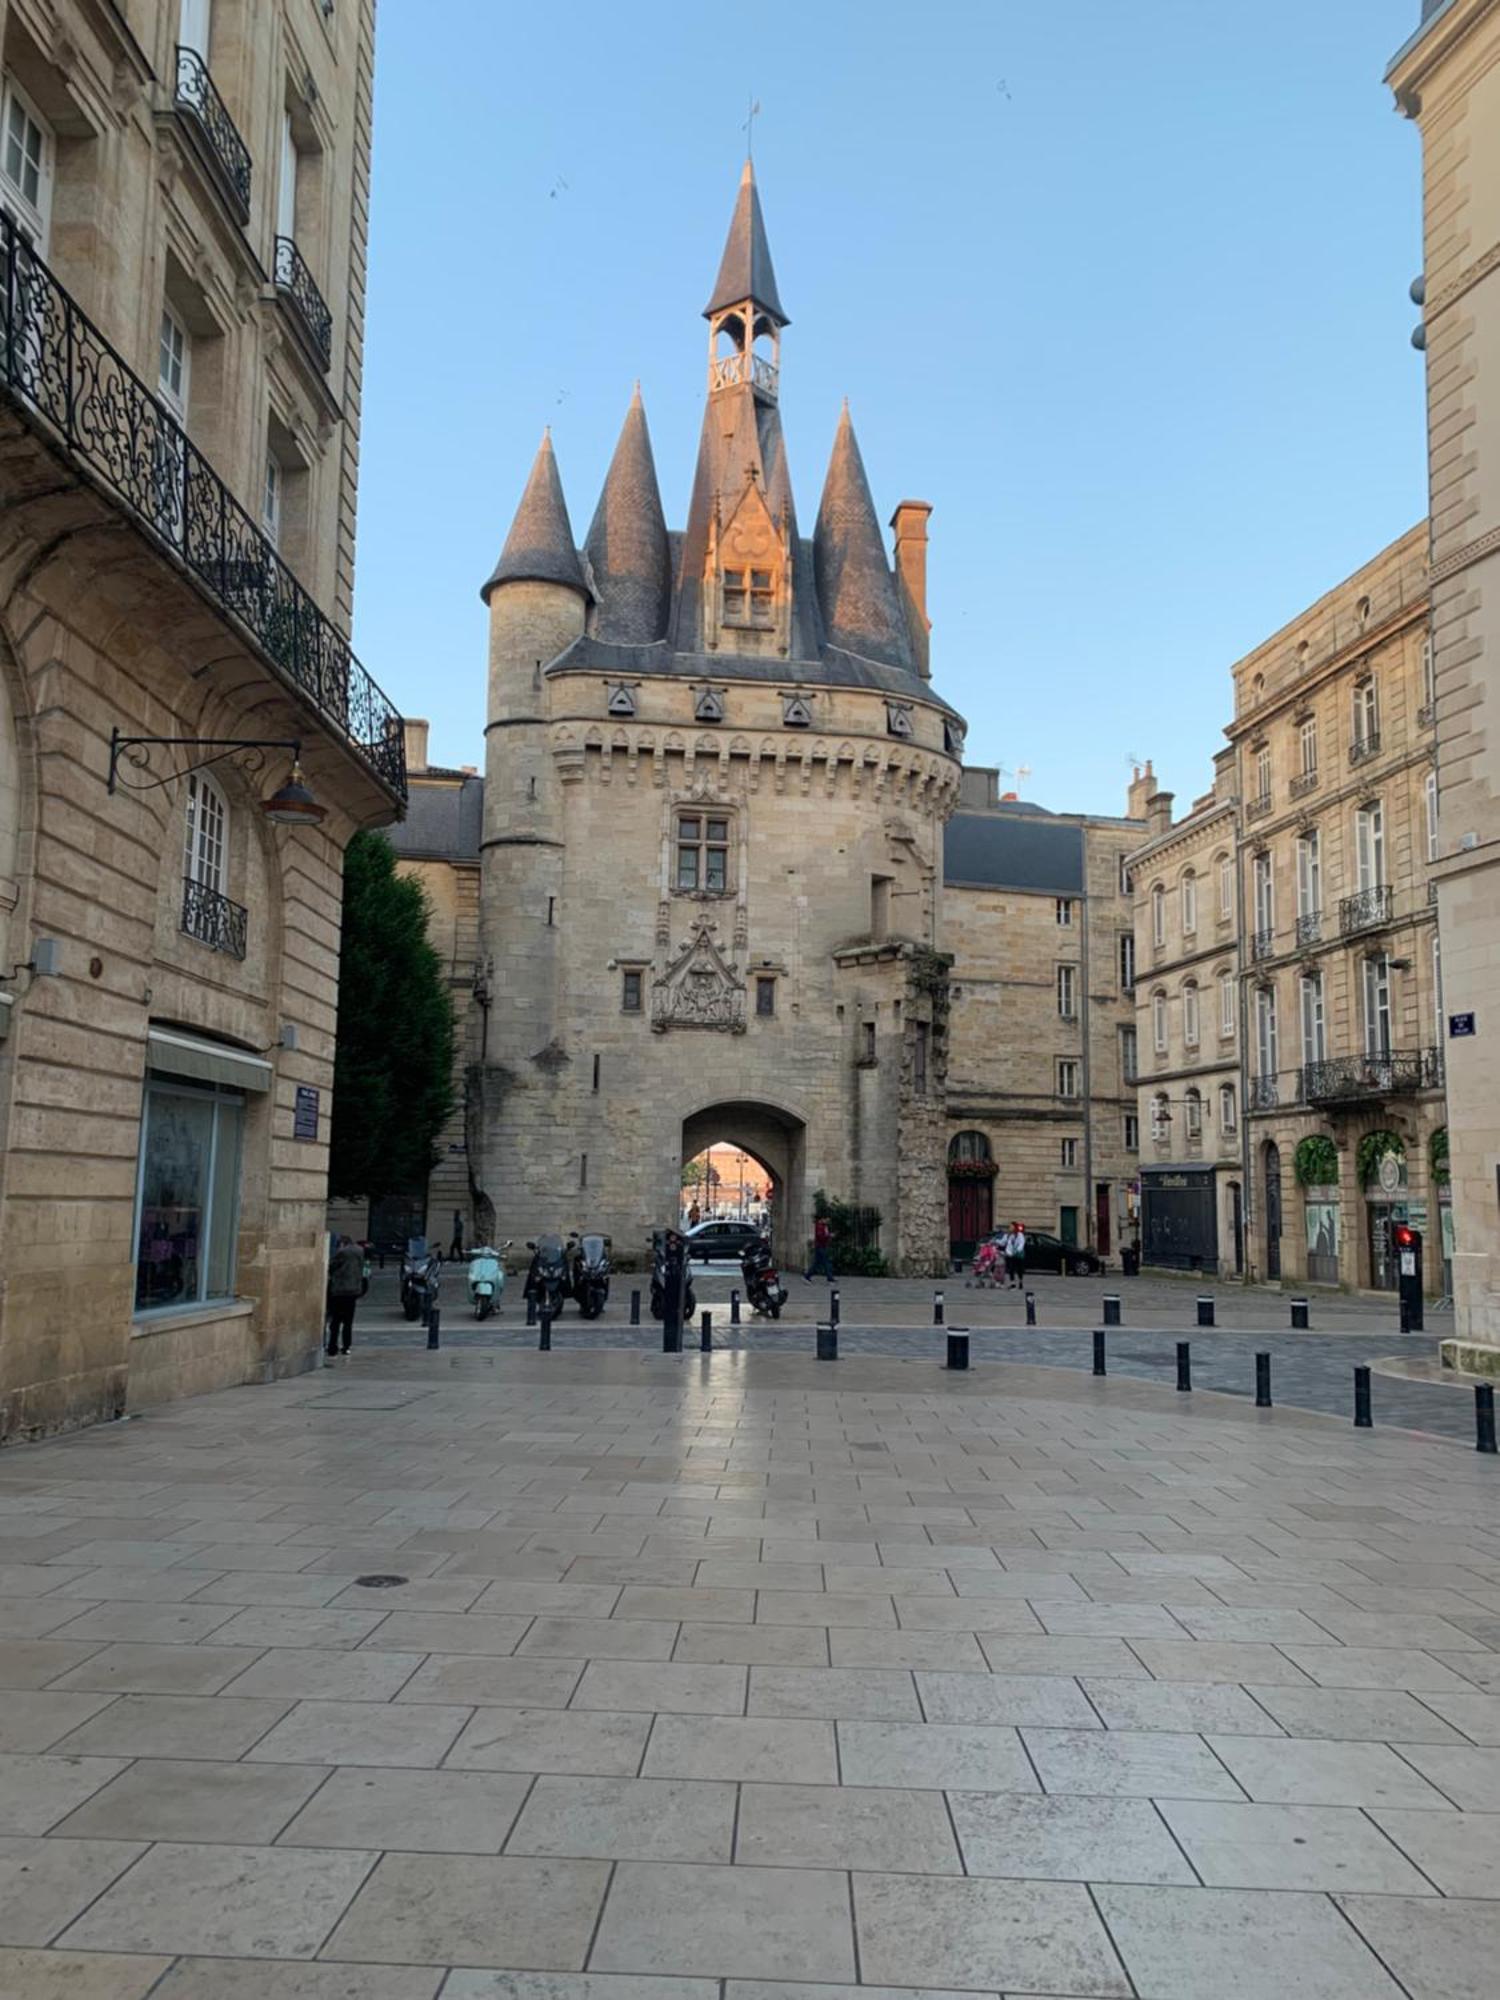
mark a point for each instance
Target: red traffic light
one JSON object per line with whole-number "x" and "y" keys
{"x": 1407, "y": 1238}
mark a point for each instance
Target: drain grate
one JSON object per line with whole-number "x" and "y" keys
{"x": 379, "y": 1582}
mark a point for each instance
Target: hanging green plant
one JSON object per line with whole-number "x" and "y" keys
{"x": 1372, "y": 1150}
{"x": 1437, "y": 1154}
{"x": 1317, "y": 1161}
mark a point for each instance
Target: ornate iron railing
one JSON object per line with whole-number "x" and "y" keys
{"x": 1262, "y": 943}
{"x": 1264, "y": 1095}
{"x": 1351, "y": 1079}
{"x": 1258, "y": 808}
{"x": 1367, "y": 910}
{"x": 197, "y": 95}
{"x": 1427, "y": 715}
{"x": 1301, "y": 785}
{"x": 1310, "y": 927}
{"x": 296, "y": 284}
{"x": 212, "y": 919}
{"x": 59, "y": 367}
{"x": 1363, "y": 748}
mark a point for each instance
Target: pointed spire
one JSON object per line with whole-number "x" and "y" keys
{"x": 855, "y": 587}
{"x": 746, "y": 271}
{"x": 539, "y": 547}
{"x": 627, "y": 544}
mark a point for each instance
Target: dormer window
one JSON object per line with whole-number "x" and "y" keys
{"x": 898, "y": 719}
{"x": 796, "y": 711}
{"x": 750, "y": 599}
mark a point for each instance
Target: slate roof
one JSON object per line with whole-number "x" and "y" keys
{"x": 443, "y": 822}
{"x": 1006, "y": 850}
{"x": 746, "y": 270}
{"x": 628, "y": 551}
{"x": 539, "y": 547}
{"x": 856, "y": 589}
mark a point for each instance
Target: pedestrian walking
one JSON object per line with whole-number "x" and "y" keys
{"x": 822, "y": 1251}
{"x": 456, "y": 1247}
{"x": 1015, "y": 1257}
{"x": 346, "y": 1280}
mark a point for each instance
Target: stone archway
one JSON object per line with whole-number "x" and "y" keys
{"x": 772, "y": 1136}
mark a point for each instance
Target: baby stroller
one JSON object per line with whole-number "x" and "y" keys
{"x": 989, "y": 1264}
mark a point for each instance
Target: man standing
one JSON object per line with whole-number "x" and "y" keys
{"x": 822, "y": 1251}
{"x": 346, "y": 1277}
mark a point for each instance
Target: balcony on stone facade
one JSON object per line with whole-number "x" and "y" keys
{"x": 1262, "y": 943}
{"x": 74, "y": 388}
{"x": 1427, "y": 715}
{"x": 205, "y": 116}
{"x": 1363, "y": 748}
{"x": 1365, "y": 1079}
{"x": 1310, "y": 927}
{"x": 1258, "y": 808}
{"x": 1365, "y": 912}
{"x": 1302, "y": 784}
{"x": 298, "y": 292}
{"x": 1264, "y": 1094}
{"x": 212, "y": 919}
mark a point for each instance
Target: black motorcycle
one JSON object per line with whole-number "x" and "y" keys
{"x": 763, "y": 1287}
{"x": 421, "y": 1278}
{"x": 669, "y": 1265}
{"x": 590, "y": 1274}
{"x": 547, "y": 1277}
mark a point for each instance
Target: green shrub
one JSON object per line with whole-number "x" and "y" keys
{"x": 1317, "y": 1161}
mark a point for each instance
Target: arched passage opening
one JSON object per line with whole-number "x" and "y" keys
{"x": 773, "y": 1143}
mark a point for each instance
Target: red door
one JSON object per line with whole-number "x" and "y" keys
{"x": 1101, "y": 1218}
{"x": 971, "y": 1214}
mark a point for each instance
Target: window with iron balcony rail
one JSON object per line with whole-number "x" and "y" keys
{"x": 1262, "y": 944}
{"x": 1264, "y": 1095}
{"x": 1258, "y": 808}
{"x": 1356, "y": 1079}
{"x": 1363, "y": 748}
{"x": 1310, "y": 927}
{"x": 212, "y": 919}
{"x": 1302, "y": 785}
{"x": 206, "y": 116}
{"x": 1364, "y": 911}
{"x": 297, "y": 289}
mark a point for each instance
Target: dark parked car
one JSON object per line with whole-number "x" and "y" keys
{"x": 1050, "y": 1253}
{"x": 720, "y": 1239}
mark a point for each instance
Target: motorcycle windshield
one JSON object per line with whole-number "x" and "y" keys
{"x": 549, "y": 1250}
{"x": 593, "y": 1249}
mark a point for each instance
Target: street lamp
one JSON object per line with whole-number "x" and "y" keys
{"x": 291, "y": 804}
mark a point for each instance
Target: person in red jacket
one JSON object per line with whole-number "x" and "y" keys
{"x": 822, "y": 1251}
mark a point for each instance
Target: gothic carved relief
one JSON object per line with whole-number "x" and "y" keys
{"x": 700, "y": 988}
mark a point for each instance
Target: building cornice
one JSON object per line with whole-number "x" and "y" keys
{"x": 1368, "y": 643}
{"x": 1185, "y": 829}
{"x": 1444, "y": 27}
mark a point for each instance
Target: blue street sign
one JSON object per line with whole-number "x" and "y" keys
{"x": 1460, "y": 1024}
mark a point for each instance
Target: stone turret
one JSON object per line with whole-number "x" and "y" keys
{"x": 628, "y": 553}
{"x": 855, "y": 586}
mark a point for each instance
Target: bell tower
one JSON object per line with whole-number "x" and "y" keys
{"x": 744, "y": 314}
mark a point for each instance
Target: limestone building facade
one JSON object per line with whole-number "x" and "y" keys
{"x": 1187, "y": 1027}
{"x": 183, "y": 193}
{"x": 1447, "y": 79}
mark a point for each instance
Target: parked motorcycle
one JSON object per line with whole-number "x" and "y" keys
{"x": 486, "y": 1278}
{"x": 763, "y": 1286}
{"x": 547, "y": 1278}
{"x": 591, "y": 1270}
{"x": 421, "y": 1278}
{"x": 669, "y": 1263}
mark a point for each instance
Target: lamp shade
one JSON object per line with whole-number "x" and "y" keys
{"x": 294, "y": 804}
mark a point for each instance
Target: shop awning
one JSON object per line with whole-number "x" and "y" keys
{"x": 176, "y": 1053}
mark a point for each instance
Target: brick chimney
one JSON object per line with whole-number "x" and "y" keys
{"x": 910, "y": 524}
{"x": 1142, "y": 786}
{"x": 416, "y": 744}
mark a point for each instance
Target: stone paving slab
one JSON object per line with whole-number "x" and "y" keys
{"x": 741, "y": 1679}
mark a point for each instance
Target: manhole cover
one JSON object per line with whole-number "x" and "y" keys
{"x": 379, "y": 1582}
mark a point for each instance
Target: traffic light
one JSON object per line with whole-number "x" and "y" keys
{"x": 1407, "y": 1238}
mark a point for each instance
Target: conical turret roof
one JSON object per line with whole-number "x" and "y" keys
{"x": 627, "y": 543}
{"x": 539, "y": 547}
{"x": 746, "y": 271}
{"x": 856, "y": 589}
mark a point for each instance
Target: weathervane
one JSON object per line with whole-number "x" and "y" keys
{"x": 750, "y": 128}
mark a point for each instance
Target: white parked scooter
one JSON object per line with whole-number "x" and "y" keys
{"x": 486, "y": 1278}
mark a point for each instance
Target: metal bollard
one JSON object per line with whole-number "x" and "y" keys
{"x": 1484, "y": 1416}
{"x": 1262, "y": 1381}
{"x": 1205, "y": 1311}
{"x": 706, "y": 1333}
{"x": 531, "y": 1308}
{"x": 1299, "y": 1315}
{"x": 958, "y": 1348}
{"x": 544, "y": 1339}
{"x": 1362, "y": 1418}
{"x": 1098, "y": 1352}
{"x": 1031, "y": 1308}
{"x": 833, "y": 1305}
{"x": 434, "y": 1325}
{"x": 937, "y": 1308}
{"x": 671, "y": 1336}
{"x": 1111, "y": 1309}
{"x": 1184, "y": 1365}
{"x": 635, "y": 1308}
{"x": 828, "y": 1341}
{"x": 734, "y": 1308}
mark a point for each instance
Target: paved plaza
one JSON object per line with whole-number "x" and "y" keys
{"x": 602, "y": 1675}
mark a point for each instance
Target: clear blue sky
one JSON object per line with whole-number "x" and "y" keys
{"x": 1120, "y": 289}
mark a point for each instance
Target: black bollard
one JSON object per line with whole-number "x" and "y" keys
{"x": 1098, "y": 1352}
{"x": 1362, "y": 1418}
{"x": 1111, "y": 1309}
{"x": 706, "y": 1333}
{"x": 1205, "y": 1311}
{"x": 1299, "y": 1315}
{"x": 544, "y": 1338}
{"x": 434, "y": 1326}
{"x": 531, "y": 1308}
{"x": 635, "y": 1308}
{"x": 937, "y": 1308}
{"x": 734, "y": 1308}
{"x": 1031, "y": 1308}
{"x": 833, "y": 1305}
{"x": 1184, "y": 1365}
{"x": 671, "y": 1335}
{"x": 828, "y": 1341}
{"x": 958, "y": 1348}
{"x": 1262, "y": 1381}
{"x": 1484, "y": 1416}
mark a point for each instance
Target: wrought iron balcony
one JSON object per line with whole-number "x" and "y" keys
{"x": 1264, "y": 1094}
{"x": 1258, "y": 808}
{"x": 1427, "y": 715}
{"x": 1310, "y": 927}
{"x": 1359, "y": 1079}
{"x": 207, "y": 115}
{"x": 212, "y": 919}
{"x": 1262, "y": 943}
{"x": 57, "y": 365}
{"x": 1363, "y": 748}
{"x": 296, "y": 285}
{"x": 1364, "y": 912}
{"x": 1303, "y": 783}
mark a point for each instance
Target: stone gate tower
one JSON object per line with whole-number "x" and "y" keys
{"x": 716, "y": 780}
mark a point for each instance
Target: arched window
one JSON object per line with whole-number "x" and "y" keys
{"x": 1227, "y": 1022}
{"x": 1161, "y": 1117}
{"x": 1158, "y": 915}
{"x": 1190, "y": 1014}
{"x": 965, "y": 1147}
{"x": 1227, "y": 1109}
{"x": 206, "y": 846}
{"x": 1189, "y": 903}
{"x": 1159, "y": 1022}
{"x": 1193, "y": 1115}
